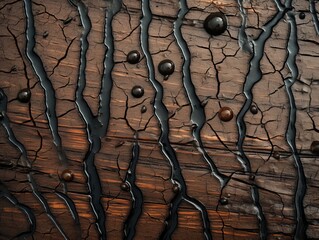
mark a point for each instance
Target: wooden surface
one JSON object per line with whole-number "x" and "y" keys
{"x": 218, "y": 69}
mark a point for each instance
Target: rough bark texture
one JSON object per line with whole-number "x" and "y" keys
{"x": 102, "y": 146}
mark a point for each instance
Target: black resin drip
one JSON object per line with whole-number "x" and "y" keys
{"x": 24, "y": 161}
{"x": 243, "y": 40}
{"x": 293, "y": 49}
{"x": 96, "y": 125}
{"x": 313, "y": 11}
{"x": 198, "y": 117}
{"x": 38, "y": 68}
{"x": 254, "y": 76}
{"x": 4, "y": 192}
{"x": 162, "y": 116}
{"x": 136, "y": 195}
{"x": 133, "y": 57}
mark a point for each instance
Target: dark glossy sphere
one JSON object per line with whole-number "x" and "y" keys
{"x": 24, "y": 95}
{"x": 125, "y": 187}
{"x": 143, "y": 109}
{"x": 45, "y": 34}
{"x": 276, "y": 155}
{"x": 166, "y": 67}
{"x": 302, "y": 15}
{"x": 253, "y": 109}
{"x": 175, "y": 188}
{"x": 133, "y": 57}
{"x": 137, "y": 91}
{"x": 225, "y": 114}
{"x": 67, "y": 175}
{"x": 1, "y": 116}
{"x": 215, "y": 24}
{"x": 223, "y": 201}
{"x": 315, "y": 147}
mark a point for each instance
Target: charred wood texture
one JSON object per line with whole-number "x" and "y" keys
{"x": 146, "y": 119}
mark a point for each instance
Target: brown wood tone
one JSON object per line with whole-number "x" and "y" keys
{"x": 42, "y": 188}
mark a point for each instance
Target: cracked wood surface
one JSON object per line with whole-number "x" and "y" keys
{"x": 219, "y": 68}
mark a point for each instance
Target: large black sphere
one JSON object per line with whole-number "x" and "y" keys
{"x": 215, "y": 24}
{"x": 166, "y": 67}
{"x": 137, "y": 91}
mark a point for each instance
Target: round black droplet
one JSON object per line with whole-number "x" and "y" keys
{"x": 125, "y": 187}
{"x": 133, "y": 57}
{"x": 24, "y": 95}
{"x": 253, "y": 109}
{"x": 276, "y": 155}
{"x": 166, "y": 68}
{"x": 137, "y": 91}
{"x": 315, "y": 147}
{"x": 175, "y": 188}
{"x": 215, "y": 24}
{"x": 223, "y": 201}
{"x": 252, "y": 177}
{"x": 302, "y": 15}
{"x": 143, "y": 109}
{"x": 45, "y": 34}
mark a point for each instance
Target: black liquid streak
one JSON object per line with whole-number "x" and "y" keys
{"x": 136, "y": 194}
{"x": 162, "y": 116}
{"x": 96, "y": 125}
{"x": 197, "y": 114}
{"x": 243, "y": 41}
{"x": 4, "y": 192}
{"x": 26, "y": 162}
{"x": 313, "y": 10}
{"x": 293, "y": 49}
{"x": 261, "y": 218}
{"x": 45, "y": 82}
{"x": 254, "y": 75}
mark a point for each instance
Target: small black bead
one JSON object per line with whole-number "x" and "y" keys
{"x": 143, "y": 109}
{"x": 253, "y": 109}
{"x": 276, "y": 155}
{"x": 302, "y": 15}
{"x": 67, "y": 21}
{"x": 24, "y": 95}
{"x": 166, "y": 67}
{"x": 133, "y": 57}
{"x": 125, "y": 187}
{"x": 223, "y": 201}
{"x": 215, "y": 24}
{"x": 315, "y": 147}
{"x": 137, "y": 91}
{"x": 175, "y": 188}
{"x": 45, "y": 34}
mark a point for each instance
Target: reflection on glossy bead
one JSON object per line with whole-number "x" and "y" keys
{"x": 223, "y": 201}
{"x": 143, "y": 109}
{"x": 24, "y": 95}
{"x": 302, "y": 15}
{"x": 166, "y": 68}
{"x": 215, "y": 24}
{"x": 125, "y": 187}
{"x": 253, "y": 109}
{"x": 315, "y": 147}
{"x": 225, "y": 114}
{"x": 1, "y": 116}
{"x": 133, "y": 57}
{"x": 67, "y": 175}
{"x": 137, "y": 91}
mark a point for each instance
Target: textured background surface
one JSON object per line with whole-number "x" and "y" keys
{"x": 36, "y": 201}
